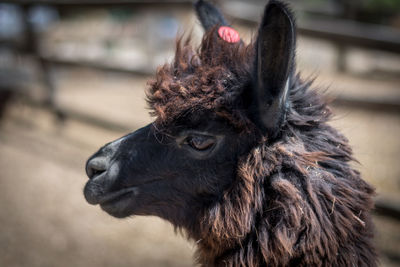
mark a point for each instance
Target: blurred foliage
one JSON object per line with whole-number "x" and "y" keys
{"x": 372, "y": 11}
{"x": 383, "y": 4}
{"x": 121, "y": 14}
{"x": 378, "y": 11}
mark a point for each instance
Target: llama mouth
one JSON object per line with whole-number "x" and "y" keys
{"x": 117, "y": 196}
{"x": 114, "y": 197}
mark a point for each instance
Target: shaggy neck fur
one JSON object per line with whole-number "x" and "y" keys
{"x": 295, "y": 202}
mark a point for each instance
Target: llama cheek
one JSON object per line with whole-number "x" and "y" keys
{"x": 133, "y": 154}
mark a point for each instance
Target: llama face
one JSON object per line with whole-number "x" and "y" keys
{"x": 168, "y": 173}
{"x": 212, "y": 106}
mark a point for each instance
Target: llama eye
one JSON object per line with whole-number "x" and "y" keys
{"x": 200, "y": 143}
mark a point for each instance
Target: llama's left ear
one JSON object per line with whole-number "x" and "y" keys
{"x": 273, "y": 65}
{"x": 209, "y": 15}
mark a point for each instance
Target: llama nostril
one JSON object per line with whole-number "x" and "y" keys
{"x": 95, "y": 167}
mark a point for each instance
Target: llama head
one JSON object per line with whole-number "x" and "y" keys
{"x": 240, "y": 156}
{"x": 212, "y": 105}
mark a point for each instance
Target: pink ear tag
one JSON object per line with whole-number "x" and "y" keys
{"x": 228, "y": 34}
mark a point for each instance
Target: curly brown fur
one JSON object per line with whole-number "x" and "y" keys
{"x": 295, "y": 202}
{"x": 210, "y": 78}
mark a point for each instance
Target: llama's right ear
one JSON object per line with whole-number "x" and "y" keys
{"x": 274, "y": 63}
{"x": 209, "y": 15}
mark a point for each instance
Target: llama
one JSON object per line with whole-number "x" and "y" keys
{"x": 240, "y": 156}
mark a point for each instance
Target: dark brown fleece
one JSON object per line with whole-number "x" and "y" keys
{"x": 296, "y": 202}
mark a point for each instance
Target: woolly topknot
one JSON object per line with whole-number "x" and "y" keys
{"x": 207, "y": 78}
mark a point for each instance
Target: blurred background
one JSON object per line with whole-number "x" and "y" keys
{"x": 72, "y": 77}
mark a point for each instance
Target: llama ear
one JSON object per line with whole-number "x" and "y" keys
{"x": 273, "y": 65}
{"x": 209, "y": 15}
